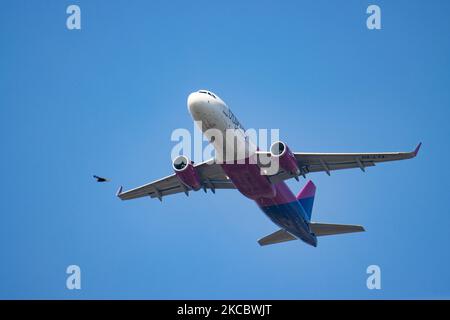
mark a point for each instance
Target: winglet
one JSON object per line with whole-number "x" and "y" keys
{"x": 119, "y": 191}
{"x": 416, "y": 151}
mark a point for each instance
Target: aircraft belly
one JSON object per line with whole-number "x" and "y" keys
{"x": 248, "y": 180}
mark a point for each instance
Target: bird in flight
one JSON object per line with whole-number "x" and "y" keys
{"x": 100, "y": 179}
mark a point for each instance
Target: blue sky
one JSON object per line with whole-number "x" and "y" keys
{"x": 106, "y": 99}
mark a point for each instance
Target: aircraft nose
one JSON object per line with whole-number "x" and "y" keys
{"x": 196, "y": 103}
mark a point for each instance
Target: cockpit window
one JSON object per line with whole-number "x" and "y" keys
{"x": 208, "y": 93}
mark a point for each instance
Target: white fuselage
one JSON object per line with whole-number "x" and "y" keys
{"x": 220, "y": 126}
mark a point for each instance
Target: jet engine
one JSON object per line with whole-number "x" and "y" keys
{"x": 185, "y": 171}
{"x": 279, "y": 150}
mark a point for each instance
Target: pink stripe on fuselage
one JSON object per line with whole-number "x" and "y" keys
{"x": 283, "y": 195}
{"x": 248, "y": 180}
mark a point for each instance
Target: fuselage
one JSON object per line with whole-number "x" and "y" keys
{"x": 277, "y": 201}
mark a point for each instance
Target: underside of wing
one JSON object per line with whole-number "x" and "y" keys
{"x": 211, "y": 175}
{"x": 157, "y": 189}
{"x": 328, "y": 162}
{"x": 315, "y": 162}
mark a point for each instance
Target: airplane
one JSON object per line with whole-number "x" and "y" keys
{"x": 292, "y": 214}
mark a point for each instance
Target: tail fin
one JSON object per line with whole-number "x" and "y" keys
{"x": 306, "y": 197}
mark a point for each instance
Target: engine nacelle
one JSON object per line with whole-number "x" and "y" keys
{"x": 185, "y": 171}
{"x": 285, "y": 157}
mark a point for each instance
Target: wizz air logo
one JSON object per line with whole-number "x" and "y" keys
{"x": 230, "y": 115}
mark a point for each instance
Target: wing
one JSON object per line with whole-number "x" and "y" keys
{"x": 211, "y": 174}
{"x": 327, "y": 162}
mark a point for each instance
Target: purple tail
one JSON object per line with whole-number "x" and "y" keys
{"x": 306, "y": 198}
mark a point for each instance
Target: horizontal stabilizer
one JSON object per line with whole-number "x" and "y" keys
{"x": 276, "y": 237}
{"x": 326, "y": 229}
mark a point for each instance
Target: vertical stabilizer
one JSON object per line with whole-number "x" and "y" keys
{"x": 306, "y": 198}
